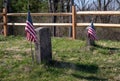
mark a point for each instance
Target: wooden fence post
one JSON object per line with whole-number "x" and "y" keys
{"x": 73, "y": 22}
{"x": 5, "y": 21}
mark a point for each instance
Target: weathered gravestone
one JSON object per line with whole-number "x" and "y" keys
{"x": 90, "y": 42}
{"x": 43, "y": 49}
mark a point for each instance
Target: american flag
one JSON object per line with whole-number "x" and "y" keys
{"x": 29, "y": 28}
{"x": 91, "y": 33}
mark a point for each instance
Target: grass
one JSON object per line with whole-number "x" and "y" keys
{"x": 72, "y": 61}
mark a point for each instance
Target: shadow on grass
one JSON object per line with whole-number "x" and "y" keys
{"x": 108, "y": 48}
{"x": 90, "y": 78}
{"x": 90, "y": 68}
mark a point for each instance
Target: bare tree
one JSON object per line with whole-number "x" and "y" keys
{"x": 71, "y": 3}
{"x": 50, "y": 5}
{"x": 59, "y": 6}
{"x": 83, "y": 5}
{"x": 102, "y": 5}
{"x": 53, "y": 5}
{"x": 118, "y": 2}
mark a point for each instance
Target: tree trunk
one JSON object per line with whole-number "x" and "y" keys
{"x": 50, "y": 5}
{"x": 7, "y": 5}
{"x": 53, "y": 9}
{"x": 70, "y": 6}
{"x": 54, "y": 20}
{"x": 9, "y": 10}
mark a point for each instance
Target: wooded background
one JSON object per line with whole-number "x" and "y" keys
{"x": 38, "y": 6}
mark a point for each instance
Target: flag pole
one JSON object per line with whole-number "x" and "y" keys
{"x": 32, "y": 53}
{"x": 28, "y": 5}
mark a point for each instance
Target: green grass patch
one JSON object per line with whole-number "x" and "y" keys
{"x": 72, "y": 61}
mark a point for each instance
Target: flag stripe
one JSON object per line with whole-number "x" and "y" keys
{"x": 92, "y": 37}
{"x": 30, "y": 37}
{"x": 91, "y": 32}
{"x": 30, "y": 26}
{"x": 30, "y": 31}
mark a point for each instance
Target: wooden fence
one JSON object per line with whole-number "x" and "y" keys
{"x": 74, "y": 15}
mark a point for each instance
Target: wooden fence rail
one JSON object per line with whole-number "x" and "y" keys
{"x": 67, "y": 24}
{"x": 1, "y": 24}
{"x": 43, "y": 24}
{"x": 1, "y": 14}
{"x": 40, "y": 14}
{"x": 74, "y": 24}
{"x": 103, "y": 25}
{"x": 98, "y": 13}
{"x": 67, "y": 14}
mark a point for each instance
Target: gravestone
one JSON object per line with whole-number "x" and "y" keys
{"x": 43, "y": 49}
{"x": 90, "y": 42}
